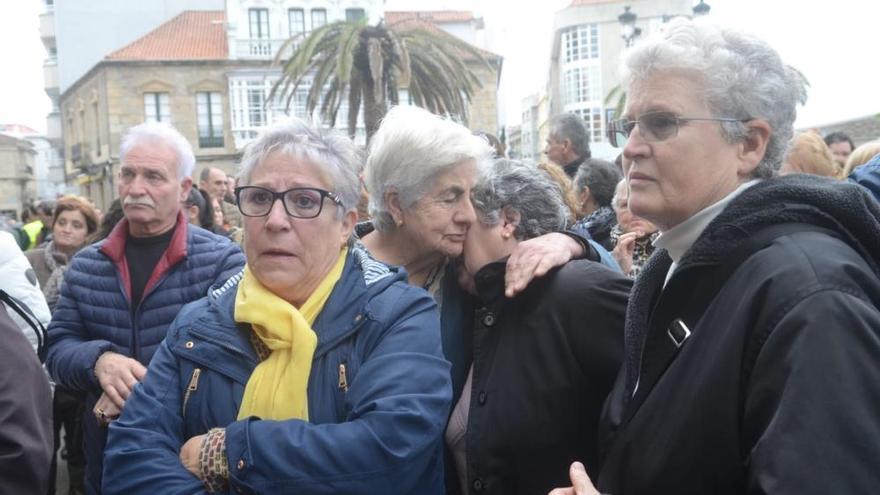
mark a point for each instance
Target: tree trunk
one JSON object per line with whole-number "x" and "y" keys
{"x": 374, "y": 109}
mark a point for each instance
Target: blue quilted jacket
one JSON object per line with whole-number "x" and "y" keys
{"x": 94, "y": 315}
{"x": 379, "y": 394}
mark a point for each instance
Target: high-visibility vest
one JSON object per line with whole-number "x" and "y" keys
{"x": 33, "y": 230}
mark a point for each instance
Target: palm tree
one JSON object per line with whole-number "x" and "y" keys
{"x": 368, "y": 64}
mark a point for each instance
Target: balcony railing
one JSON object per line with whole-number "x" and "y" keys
{"x": 210, "y": 141}
{"x": 262, "y": 49}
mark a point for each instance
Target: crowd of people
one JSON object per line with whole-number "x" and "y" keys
{"x": 427, "y": 316}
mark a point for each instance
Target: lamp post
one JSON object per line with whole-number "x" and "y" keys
{"x": 628, "y": 30}
{"x": 701, "y": 9}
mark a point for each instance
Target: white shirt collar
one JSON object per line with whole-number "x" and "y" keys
{"x": 679, "y": 239}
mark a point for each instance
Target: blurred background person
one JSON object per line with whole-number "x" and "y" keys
{"x": 566, "y": 188}
{"x": 861, "y": 156}
{"x": 542, "y": 362}
{"x": 74, "y": 223}
{"x": 568, "y": 144}
{"x": 633, "y": 236}
{"x": 841, "y": 147}
{"x": 111, "y": 217}
{"x": 808, "y": 154}
{"x": 594, "y": 185}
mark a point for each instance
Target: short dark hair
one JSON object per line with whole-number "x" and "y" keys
{"x": 572, "y": 127}
{"x": 839, "y": 137}
{"x": 601, "y": 177}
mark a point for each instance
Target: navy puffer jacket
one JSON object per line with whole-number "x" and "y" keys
{"x": 94, "y": 315}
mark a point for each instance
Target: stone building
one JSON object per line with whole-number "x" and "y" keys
{"x": 209, "y": 74}
{"x": 174, "y": 74}
{"x": 78, "y": 34}
{"x": 17, "y": 185}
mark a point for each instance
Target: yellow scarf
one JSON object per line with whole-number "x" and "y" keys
{"x": 277, "y": 387}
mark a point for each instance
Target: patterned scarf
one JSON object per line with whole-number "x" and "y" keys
{"x": 277, "y": 387}
{"x": 56, "y": 262}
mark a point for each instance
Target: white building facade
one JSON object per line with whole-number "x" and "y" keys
{"x": 586, "y": 51}
{"x": 256, "y": 30}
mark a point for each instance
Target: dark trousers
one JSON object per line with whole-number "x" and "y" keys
{"x": 68, "y": 407}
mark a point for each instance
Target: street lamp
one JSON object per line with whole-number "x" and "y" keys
{"x": 701, "y": 9}
{"x": 628, "y": 30}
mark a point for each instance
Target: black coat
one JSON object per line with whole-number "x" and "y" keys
{"x": 777, "y": 390}
{"x": 543, "y": 364}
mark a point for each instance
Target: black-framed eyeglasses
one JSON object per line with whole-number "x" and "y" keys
{"x": 299, "y": 202}
{"x": 654, "y": 127}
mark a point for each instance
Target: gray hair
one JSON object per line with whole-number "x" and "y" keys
{"x": 742, "y": 78}
{"x": 160, "y": 131}
{"x": 619, "y": 189}
{"x": 328, "y": 149}
{"x": 526, "y": 189}
{"x": 570, "y": 126}
{"x": 411, "y": 147}
{"x": 601, "y": 177}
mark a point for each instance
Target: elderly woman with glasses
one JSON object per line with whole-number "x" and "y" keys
{"x": 542, "y": 362}
{"x": 316, "y": 370}
{"x": 753, "y": 332}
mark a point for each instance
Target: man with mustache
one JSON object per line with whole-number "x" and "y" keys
{"x": 121, "y": 294}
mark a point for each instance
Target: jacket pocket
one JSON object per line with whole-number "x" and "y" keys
{"x": 190, "y": 389}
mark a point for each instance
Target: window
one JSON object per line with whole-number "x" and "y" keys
{"x": 297, "y": 20}
{"x": 319, "y": 18}
{"x": 354, "y": 14}
{"x": 157, "y": 108}
{"x": 259, "y": 22}
{"x": 593, "y": 120}
{"x": 580, "y": 43}
{"x": 256, "y": 108}
{"x": 299, "y": 102}
{"x": 581, "y": 84}
{"x": 209, "y": 107}
{"x": 97, "y": 129}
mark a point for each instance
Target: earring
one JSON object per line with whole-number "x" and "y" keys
{"x": 505, "y": 235}
{"x": 399, "y": 223}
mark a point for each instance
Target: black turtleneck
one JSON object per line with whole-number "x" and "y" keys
{"x": 572, "y": 167}
{"x": 142, "y": 254}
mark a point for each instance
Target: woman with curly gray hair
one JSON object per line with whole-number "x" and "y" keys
{"x": 753, "y": 331}
{"x": 550, "y": 354}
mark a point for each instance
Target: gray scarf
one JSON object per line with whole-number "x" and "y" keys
{"x": 56, "y": 262}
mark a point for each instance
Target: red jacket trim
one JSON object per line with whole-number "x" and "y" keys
{"x": 114, "y": 248}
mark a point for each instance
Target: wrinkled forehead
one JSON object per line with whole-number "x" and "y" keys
{"x": 151, "y": 154}
{"x": 665, "y": 91}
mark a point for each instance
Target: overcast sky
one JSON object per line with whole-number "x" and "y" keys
{"x": 834, "y": 47}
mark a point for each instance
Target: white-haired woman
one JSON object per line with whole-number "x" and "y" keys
{"x": 420, "y": 175}
{"x": 542, "y": 362}
{"x": 316, "y": 370}
{"x": 753, "y": 332}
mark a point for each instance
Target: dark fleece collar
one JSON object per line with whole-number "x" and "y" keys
{"x": 839, "y": 206}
